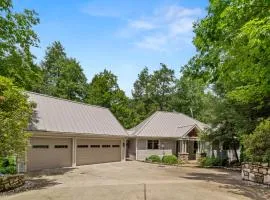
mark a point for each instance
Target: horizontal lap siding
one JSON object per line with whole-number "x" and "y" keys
{"x": 143, "y": 152}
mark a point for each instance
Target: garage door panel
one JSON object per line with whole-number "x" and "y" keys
{"x": 45, "y": 153}
{"x": 95, "y": 153}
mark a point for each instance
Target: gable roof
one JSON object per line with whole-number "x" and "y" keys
{"x": 167, "y": 124}
{"x": 65, "y": 116}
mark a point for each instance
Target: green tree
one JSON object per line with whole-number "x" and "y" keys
{"x": 192, "y": 98}
{"x": 162, "y": 87}
{"x": 62, "y": 76}
{"x": 142, "y": 99}
{"x": 51, "y": 67}
{"x": 104, "y": 91}
{"x": 15, "y": 113}
{"x": 232, "y": 55}
{"x": 17, "y": 36}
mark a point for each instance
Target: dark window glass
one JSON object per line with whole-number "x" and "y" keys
{"x": 40, "y": 146}
{"x": 82, "y": 146}
{"x": 106, "y": 146}
{"x": 152, "y": 144}
{"x": 155, "y": 144}
{"x": 61, "y": 146}
{"x": 115, "y": 145}
{"x": 95, "y": 146}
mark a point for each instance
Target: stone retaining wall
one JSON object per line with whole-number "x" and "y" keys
{"x": 256, "y": 172}
{"x": 10, "y": 182}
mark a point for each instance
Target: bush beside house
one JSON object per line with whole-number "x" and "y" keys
{"x": 167, "y": 159}
{"x": 8, "y": 165}
{"x": 213, "y": 162}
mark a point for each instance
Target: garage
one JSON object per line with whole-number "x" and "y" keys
{"x": 46, "y": 153}
{"x": 91, "y": 151}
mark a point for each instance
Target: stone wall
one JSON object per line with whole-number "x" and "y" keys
{"x": 10, "y": 182}
{"x": 183, "y": 156}
{"x": 256, "y": 172}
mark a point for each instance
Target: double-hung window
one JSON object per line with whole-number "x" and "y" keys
{"x": 152, "y": 144}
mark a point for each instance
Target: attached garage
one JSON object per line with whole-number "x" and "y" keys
{"x": 91, "y": 151}
{"x": 67, "y": 134}
{"x": 46, "y": 153}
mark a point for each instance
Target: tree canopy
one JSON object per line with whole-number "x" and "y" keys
{"x": 62, "y": 76}
{"x": 233, "y": 57}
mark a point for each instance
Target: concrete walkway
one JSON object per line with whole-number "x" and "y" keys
{"x": 140, "y": 181}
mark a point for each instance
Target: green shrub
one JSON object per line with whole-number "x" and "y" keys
{"x": 212, "y": 161}
{"x": 154, "y": 158}
{"x": 8, "y": 165}
{"x": 257, "y": 144}
{"x": 170, "y": 159}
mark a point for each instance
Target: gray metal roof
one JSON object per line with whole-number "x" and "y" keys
{"x": 60, "y": 115}
{"x": 166, "y": 124}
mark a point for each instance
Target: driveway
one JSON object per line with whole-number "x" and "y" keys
{"x": 136, "y": 180}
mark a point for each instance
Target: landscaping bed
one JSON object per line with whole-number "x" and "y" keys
{"x": 165, "y": 160}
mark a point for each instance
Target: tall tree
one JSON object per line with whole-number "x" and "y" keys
{"x": 17, "y": 37}
{"x": 62, "y": 76}
{"x": 143, "y": 102}
{"x": 51, "y": 66}
{"x": 104, "y": 91}
{"x": 162, "y": 87}
{"x": 232, "y": 43}
{"x": 192, "y": 98}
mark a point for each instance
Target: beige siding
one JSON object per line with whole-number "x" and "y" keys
{"x": 143, "y": 152}
{"x": 169, "y": 144}
{"x": 45, "y": 158}
{"x": 142, "y": 144}
{"x": 92, "y": 155}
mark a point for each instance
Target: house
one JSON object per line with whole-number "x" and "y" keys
{"x": 166, "y": 133}
{"x": 67, "y": 133}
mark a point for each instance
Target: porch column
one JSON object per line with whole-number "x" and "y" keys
{"x": 125, "y": 149}
{"x": 199, "y": 146}
{"x": 185, "y": 146}
{"x": 183, "y": 155}
{"x": 182, "y": 146}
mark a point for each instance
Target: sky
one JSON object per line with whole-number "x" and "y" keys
{"x": 123, "y": 36}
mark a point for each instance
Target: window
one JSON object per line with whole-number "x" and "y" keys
{"x": 152, "y": 144}
{"x": 95, "y": 146}
{"x": 40, "y": 146}
{"x": 61, "y": 146}
{"x": 82, "y": 146}
{"x": 115, "y": 145}
{"x": 106, "y": 146}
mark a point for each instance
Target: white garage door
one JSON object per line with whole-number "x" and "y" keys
{"x": 45, "y": 153}
{"x": 97, "y": 151}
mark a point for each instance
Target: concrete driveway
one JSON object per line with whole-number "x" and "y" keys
{"x": 136, "y": 180}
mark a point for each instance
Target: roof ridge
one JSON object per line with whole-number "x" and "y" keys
{"x": 68, "y": 100}
{"x": 185, "y": 126}
{"x": 146, "y": 123}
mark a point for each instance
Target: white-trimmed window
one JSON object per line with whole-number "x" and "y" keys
{"x": 152, "y": 144}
